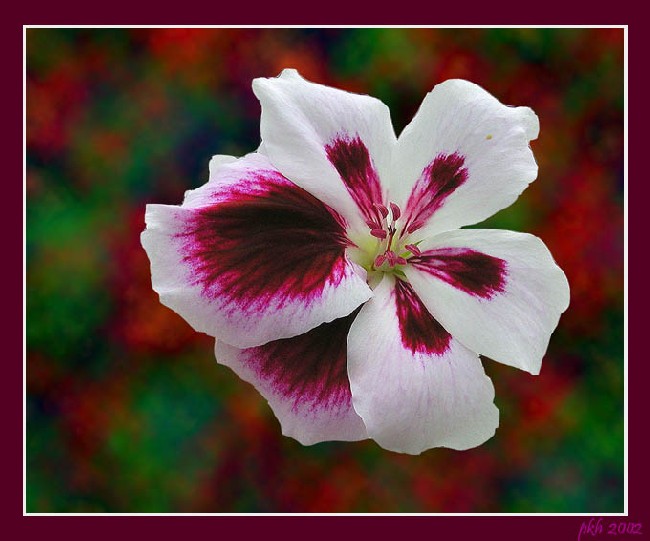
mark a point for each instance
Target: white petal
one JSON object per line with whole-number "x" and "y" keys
{"x": 486, "y": 145}
{"x": 250, "y": 257}
{"x": 304, "y": 379}
{"x": 509, "y": 319}
{"x": 415, "y": 386}
{"x": 303, "y": 123}
{"x": 217, "y": 161}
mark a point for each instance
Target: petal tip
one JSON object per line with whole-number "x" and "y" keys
{"x": 290, "y": 73}
{"x": 217, "y": 161}
{"x": 287, "y": 74}
{"x": 530, "y": 121}
{"x": 260, "y": 85}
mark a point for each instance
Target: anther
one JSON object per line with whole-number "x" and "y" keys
{"x": 373, "y": 225}
{"x": 413, "y": 249}
{"x": 396, "y": 211}
{"x": 382, "y": 209}
{"x": 379, "y": 233}
{"x": 379, "y": 260}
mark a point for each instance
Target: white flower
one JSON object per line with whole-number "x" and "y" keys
{"x": 331, "y": 267}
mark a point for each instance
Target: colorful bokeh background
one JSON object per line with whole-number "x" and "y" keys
{"x": 127, "y": 410}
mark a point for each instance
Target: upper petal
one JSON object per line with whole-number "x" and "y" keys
{"x": 251, "y": 257}
{"x": 463, "y": 157}
{"x": 305, "y": 381}
{"x": 414, "y": 385}
{"x": 334, "y": 144}
{"x": 498, "y": 292}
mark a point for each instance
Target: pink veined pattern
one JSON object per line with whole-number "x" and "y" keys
{"x": 309, "y": 369}
{"x": 473, "y": 272}
{"x": 438, "y": 181}
{"x": 228, "y": 245}
{"x": 419, "y": 330}
{"x": 350, "y": 157}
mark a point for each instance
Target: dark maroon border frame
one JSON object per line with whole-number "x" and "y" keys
{"x": 16, "y": 526}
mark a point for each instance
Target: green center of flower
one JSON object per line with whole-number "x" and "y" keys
{"x": 385, "y": 249}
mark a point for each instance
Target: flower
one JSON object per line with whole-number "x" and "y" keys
{"x": 331, "y": 268}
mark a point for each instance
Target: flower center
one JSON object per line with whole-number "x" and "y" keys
{"x": 385, "y": 250}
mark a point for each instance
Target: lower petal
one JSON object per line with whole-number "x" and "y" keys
{"x": 305, "y": 381}
{"x": 413, "y": 384}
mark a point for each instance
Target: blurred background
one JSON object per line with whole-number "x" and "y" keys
{"x": 127, "y": 410}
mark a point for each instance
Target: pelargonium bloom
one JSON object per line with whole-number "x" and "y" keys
{"x": 331, "y": 267}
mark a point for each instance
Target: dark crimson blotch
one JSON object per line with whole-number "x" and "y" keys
{"x": 476, "y": 273}
{"x": 269, "y": 241}
{"x": 438, "y": 181}
{"x": 309, "y": 369}
{"x": 420, "y": 331}
{"x": 351, "y": 159}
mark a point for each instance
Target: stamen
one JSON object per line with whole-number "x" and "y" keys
{"x": 373, "y": 225}
{"x": 413, "y": 249}
{"x": 385, "y": 228}
{"x": 382, "y": 209}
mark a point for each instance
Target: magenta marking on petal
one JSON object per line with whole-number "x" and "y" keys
{"x": 476, "y": 273}
{"x": 351, "y": 159}
{"x": 438, "y": 180}
{"x": 264, "y": 241}
{"x": 309, "y": 369}
{"x": 419, "y": 330}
